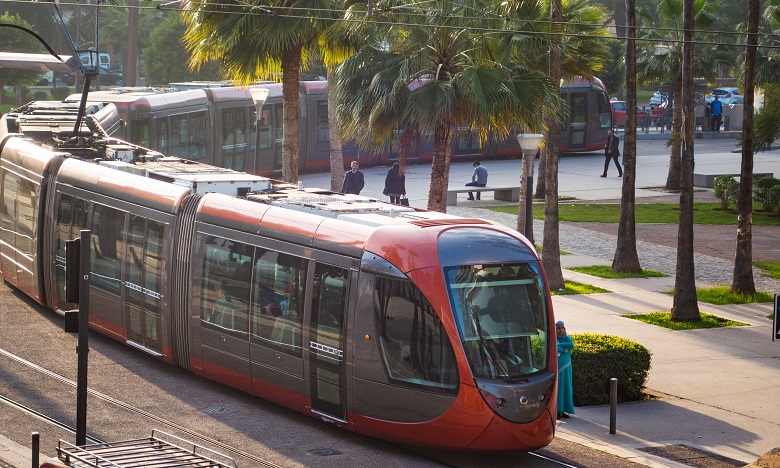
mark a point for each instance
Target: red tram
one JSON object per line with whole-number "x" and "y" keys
{"x": 241, "y": 128}
{"x": 406, "y": 325}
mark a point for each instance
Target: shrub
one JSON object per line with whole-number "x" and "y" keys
{"x": 40, "y": 95}
{"x": 726, "y": 189}
{"x": 772, "y": 203}
{"x": 762, "y": 187}
{"x": 60, "y": 93}
{"x": 598, "y": 358}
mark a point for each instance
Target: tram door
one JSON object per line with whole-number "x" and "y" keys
{"x": 326, "y": 341}
{"x": 143, "y": 283}
{"x": 578, "y": 120}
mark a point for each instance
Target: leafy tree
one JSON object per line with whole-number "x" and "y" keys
{"x": 163, "y": 56}
{"x": 438, "y": 71}
{"x": 260, "y": 39}
{"x": 613, "y": 73}
{"x": 16, "y": 40}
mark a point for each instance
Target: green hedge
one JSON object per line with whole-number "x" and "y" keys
{"x": 597, "y": 358}
{"x": 60, "y": 93}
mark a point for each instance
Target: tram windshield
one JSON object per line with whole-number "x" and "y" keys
{"x": 501, "y": 316}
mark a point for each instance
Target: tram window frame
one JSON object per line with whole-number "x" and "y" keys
{"x": 603, "y": 110}
{"x": 72, "y": 216}
{"x": 323, "y": 126}
{"x": 140, "y": 132}
{"x": 107, "y": 227}
{"x": 145, "y": 244}
{"x": 264, "y": 128}
{"x": 278, "y": 286}
{"x": 224, "y": 293}
{"x": 395, "y": 324}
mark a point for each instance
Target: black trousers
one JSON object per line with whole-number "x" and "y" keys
{"x": 613, "y": 157}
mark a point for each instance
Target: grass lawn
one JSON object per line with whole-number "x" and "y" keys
{"x": 662, "y": 213}
{"x": 720, "y": 295}
{"x": 605, "y": 271}
{"x": 664, "y": 319}
{"x": 772, "y": 267}
{"x": 572, "y": 287}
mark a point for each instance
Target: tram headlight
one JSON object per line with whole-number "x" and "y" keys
{"x": 493, "y": 401}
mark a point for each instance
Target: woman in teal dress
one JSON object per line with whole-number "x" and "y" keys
{"x": 565, "y": 386}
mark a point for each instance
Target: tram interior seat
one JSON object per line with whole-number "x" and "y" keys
{"x": 286, "y": 331}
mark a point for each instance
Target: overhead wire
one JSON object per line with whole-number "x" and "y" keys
{"x": 274, "y": 10}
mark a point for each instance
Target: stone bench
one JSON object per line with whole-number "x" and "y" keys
{"x": 707, "y": 180}
{"x": 511, "y": 194}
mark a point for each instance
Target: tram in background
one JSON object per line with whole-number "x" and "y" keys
{"x": 240, "y": 129}
{"x": 307, "y": 298}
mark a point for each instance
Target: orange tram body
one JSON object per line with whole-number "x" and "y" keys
{"x": 402, "y": 324}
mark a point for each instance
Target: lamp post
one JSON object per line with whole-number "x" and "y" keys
{"x": 529, "y": 143}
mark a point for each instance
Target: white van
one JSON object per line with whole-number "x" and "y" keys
{"x": 105, "y": 60}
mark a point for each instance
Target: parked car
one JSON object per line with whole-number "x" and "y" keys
{"x": 110, "y": 77}
{"x": 658, "y": 98}
{"x": 619, "y": 114}
{"x": 725, "y": 96}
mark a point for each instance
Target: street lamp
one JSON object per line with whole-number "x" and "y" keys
{"x": 529, "y": 143}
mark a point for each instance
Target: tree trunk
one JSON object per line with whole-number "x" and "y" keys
{"x": 551, "y": 246}
{"x": 742, "y": 280}
{"x": 291, "y": 66}
{"x": 130, "y": 72}
{"x": 626, "y": 257}
{"x": 685, "y": 306}
{"x": 673, "y": 176}
{"x": 336, "y": 156}
{"x": 440, "y": 167}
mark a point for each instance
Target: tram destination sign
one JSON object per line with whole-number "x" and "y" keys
{"x": 776, "y": 321}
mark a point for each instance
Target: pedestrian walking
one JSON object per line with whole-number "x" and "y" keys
{"x": 353, "y": 180}
{"x": 478, "y": 178}
{"x": 611, "y": 153}
{"x": 395, "y": 184}
{"x": 717, "y": 112}
{"x": 565, "y": 381}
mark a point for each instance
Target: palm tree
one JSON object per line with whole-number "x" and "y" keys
{"x": 439, "y": 71}
{"x": 582, "y": 49}
{"x": 742, "y": 279}
{"x": 626, "y": 257}
{"x": 258, "y": 40}
{"x": 685, "y": 306}
{"x": 661, "y": 60}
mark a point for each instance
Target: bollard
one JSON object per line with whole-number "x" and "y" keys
{"x": 612, "y": 404}
{"x": 36, "y": 449}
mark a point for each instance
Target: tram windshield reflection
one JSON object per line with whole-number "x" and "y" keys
{"x": 500, "y": 313}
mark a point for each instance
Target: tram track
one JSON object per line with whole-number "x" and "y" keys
{"x": 171, "y": 425}
{"x": 216, "y": 444}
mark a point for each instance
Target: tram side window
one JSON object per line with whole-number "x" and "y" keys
{"x": 71, "y": 219}
{"x": 180, "y": 136}
{"x": 227, "y": 277}
{"x": 197, "y": 141}
{"x": 163, "y": 136}
{"x": 140, "y": 132}
{"x": 604, "y": 112}
{"x": 264, "y": 129}
{"x": 323, "y": 128}
{"x": 10, "y": 188}
{"x": 277, "y": 293}
{"x": 415, "y": 347}
{"x": 107, "y": 227}
{"x": 27, "y": 215}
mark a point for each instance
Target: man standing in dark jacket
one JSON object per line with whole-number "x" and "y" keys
{"x": 353, "y": 180}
